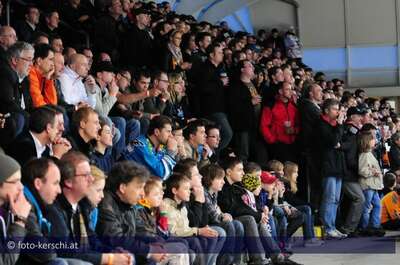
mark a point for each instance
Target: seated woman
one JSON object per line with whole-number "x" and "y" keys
{"x": 178, "y": 104}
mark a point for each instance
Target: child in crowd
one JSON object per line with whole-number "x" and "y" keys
{"x": 255, "y": 169}
{"x": 104, "y": 155}
{"x": 371, "y": 183}
{"x": 390, "y": 214}
{"x": 289, "y": 219}
{"x": 213, "y": 181}
{"x": 96, "y": 194}
{"x": 389, "y": 182}
{"x": 291, "y": 172}
{"x": 236, "y": 200}
{"x": 198, "y": 213}
{"x": 200, "y": 239}
{"x": 152, "y": 223}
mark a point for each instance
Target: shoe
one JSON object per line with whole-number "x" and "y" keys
{"x": 334, "y": 234}
{"x": 286, "y": 261}
{"x": 379, "y": 232}
{"x": 313, "y": 242}
{"x": 341, "y": 234}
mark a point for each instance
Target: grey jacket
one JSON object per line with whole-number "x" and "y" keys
{"x": 10, "y": 232}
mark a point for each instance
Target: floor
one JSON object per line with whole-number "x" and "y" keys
{"x": 360, "y": 251}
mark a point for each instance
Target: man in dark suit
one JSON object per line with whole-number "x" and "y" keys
{"x": 27, "y": 28}
{"x": 14, "y": 99}
{"x": 42, "y": 139}
{"x": 310, "y": 113}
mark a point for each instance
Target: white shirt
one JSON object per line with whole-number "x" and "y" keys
{"x": 74, "y": 90}
{"x": 38, "y": 145}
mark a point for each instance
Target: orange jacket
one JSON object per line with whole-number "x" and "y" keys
{"x": 42, "y": 90}
{"x": 390, "y": 207}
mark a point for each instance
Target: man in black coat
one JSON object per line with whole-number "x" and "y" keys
{"x": 43, "y": 138}
{"x": 70, "y": 216}
{"x": 242, "y": 101}
{"x": 351, "y": 187}
{"x": 27, "y": 28}
{"x": 211, "y": 93}
{"x": 138, "y": 47}
{"x": 14, "y": 99}
{"x": 310, "y": 113}
{"x": 394, "y": 153}
{"x": 332, "y": 161}
{"x": 107, "y": 30}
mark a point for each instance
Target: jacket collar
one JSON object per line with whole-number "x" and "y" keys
{"x": 326, "y": 119}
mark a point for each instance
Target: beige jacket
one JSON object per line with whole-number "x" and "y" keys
{"x": 193, "y": 154}
{"x": 367, "y": 166}
{"x": 178, "y": 221}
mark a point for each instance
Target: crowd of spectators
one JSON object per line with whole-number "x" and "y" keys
{"x": 168, "y": 140}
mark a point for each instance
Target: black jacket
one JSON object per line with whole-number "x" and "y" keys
{"x": 309, "y": 118}
{"x": 23, "y": 148}
{"x": 61, "y": 218}
{"x": 211, "y": 90}
{"x": 240, "y": 108}
{"x": 394, "y": 157}
{"x": 117, "y": 222}
{"x": 106, "y": 34}
{"x": 78, "y": 144}
{"x": 349, "y": 146}
{"x": 12, "y": 91}
{"x": 24, "y": 31}
{"x": 138, "y": 48}
{"x": 331, "y": 159}
{"x": 230, "y": 201}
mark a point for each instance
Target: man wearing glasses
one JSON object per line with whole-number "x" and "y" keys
{"x": 70, "y": 216}
{"x": 14, "y": 209}
{"x": 14, "y": 99}
{"x": 8, "y": 37}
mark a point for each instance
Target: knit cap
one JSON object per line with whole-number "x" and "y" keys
{"x": 251, "y": 182}
{"x": 8, "y": 166}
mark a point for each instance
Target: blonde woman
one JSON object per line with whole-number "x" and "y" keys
{"x": 290, "y": 174}
{"x": 178, "y": 105}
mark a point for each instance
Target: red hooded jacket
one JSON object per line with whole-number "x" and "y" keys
{"x": 273, "y": 122}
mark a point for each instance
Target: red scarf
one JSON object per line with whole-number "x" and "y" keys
{"x": 328, "y": 120}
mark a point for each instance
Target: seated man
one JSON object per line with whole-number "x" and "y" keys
{"x": 43, "y": 138}
{"x": 77, "y": 86}
{"x": 41, "y": 178}
{"x": 117, "y": 214}
{"x": 41, "y": 86}
{"x": 156, "y": 150}
{"x": 195, "y": 142}
{"x": 70, "y": 215}
{"x": 14, "y": 206}
{"x": 86, "y": 126}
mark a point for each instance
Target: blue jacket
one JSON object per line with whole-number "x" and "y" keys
{"x": 159, "y": 162}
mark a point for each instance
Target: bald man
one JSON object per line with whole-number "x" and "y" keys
{"x": 7, "y": 38}
{"x": 77, "y": 86}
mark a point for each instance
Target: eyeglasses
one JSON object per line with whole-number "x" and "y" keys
{"x": 214, "y": 136}
{"x": 26, "y": 59}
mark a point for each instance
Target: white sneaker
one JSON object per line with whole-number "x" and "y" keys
{"x": 334, "y": 234}
{"x": 340, "y": 233}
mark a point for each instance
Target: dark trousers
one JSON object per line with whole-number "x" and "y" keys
{"x": 355, "y": 195}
